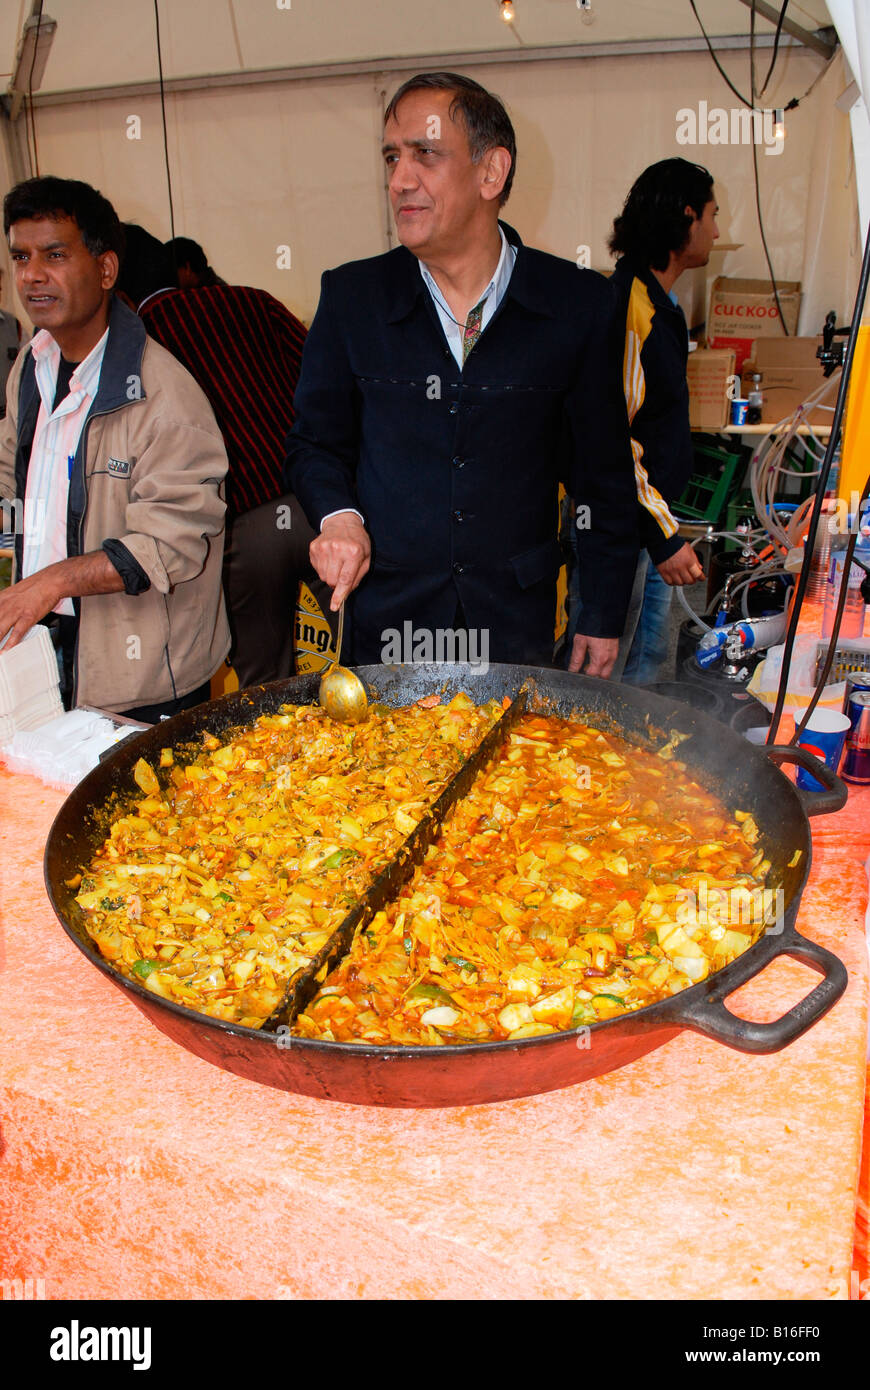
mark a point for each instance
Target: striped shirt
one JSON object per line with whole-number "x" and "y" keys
{"x": 58, "y": 430}
{"x": 244, "y": 350}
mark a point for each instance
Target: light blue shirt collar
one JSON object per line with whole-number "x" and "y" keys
{"x": 491, "y": 297}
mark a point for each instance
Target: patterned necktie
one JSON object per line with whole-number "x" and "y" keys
{"x": 471, "y": 332}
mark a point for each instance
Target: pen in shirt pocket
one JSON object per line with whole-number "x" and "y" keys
{"x": 69, "y": 466}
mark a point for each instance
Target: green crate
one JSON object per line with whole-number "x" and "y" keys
{"x": 706, "y": 493}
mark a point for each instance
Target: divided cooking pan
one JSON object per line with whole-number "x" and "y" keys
{"x": 744, "y": 777}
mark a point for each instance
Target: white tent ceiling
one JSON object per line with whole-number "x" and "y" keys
{"x": 112, "y": 44}
{"x": 271, "y": 162}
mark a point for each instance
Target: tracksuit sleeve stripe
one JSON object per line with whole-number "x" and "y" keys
{"x": 637, "y": 329}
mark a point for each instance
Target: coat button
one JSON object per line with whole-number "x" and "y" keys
{"x": 458, "y": 569}
{"x": 454, "y": 408}
{"x": 458, "y": 463}
{"x": 459, "y": 516}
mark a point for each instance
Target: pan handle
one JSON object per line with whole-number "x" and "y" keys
{"x": 709, "y": 1015}
{"x": 814, "y": 803}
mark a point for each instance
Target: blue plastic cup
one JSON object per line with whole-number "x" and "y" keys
{"x": 738, "y": 411}
{"x": 824, "y": 736}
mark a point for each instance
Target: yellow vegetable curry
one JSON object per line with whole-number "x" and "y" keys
{"x": 580, "y": 878}
{"x": 215, "y": 891}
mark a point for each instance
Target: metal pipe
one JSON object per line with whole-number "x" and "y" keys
{"x": 805, "y": 36}
{"x": 412, "y": 63}
{"x": 833, "y": 441}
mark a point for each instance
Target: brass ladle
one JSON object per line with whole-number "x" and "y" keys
{"x": 342, "y": 694}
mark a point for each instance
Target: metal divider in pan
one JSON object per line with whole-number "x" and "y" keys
{"x": 399, "y": 871}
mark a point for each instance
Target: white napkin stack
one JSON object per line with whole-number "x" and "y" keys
{"x": 29, "y": 693}
{"x": 36, "y": 736}
{"x": 65, "y": 749}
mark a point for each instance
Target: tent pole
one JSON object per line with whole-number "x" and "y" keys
{"x": 377, "y": 67}
{"x": 818, "y": 41}
{"x": 14, "y": 136}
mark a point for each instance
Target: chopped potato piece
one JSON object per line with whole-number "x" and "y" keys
{"x": 514, "y": 1016}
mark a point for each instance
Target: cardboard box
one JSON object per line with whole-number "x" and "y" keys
{"x": 707, "y": 372}
{"x": 790, "y": 372}
{"x": 742, "y": 311}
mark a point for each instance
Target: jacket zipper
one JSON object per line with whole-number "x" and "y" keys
{"x": 83, "y": 446}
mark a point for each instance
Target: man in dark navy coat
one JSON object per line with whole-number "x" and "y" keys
{"x": 447, "y": 387}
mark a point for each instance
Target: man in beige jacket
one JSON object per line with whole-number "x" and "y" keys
{"x": 111, "y": 465}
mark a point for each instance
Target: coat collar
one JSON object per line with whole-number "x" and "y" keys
{"x": 121, "y": 374}
{"x": 121, "y": 377}
{"x": 628, "y": 268}
{"x": 407, "y": 285}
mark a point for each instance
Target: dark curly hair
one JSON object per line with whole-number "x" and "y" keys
{"x": 56, "y": 198}
{"x": 654, "y": 222}
{"x": 487, "y": 123}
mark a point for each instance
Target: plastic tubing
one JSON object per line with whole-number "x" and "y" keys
{"x": 765, "y": 469}
{"x": 691, "y": 612}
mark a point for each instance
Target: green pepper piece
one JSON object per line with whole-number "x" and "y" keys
{"x": 408, "y": 943}
{"x": 462, "y": 963}
{"x": 423, "y": 991}
{"x": 583, "y": 1013}
{"x": 337, "y": 858}
{"x": 614, "y": 998}
{"x": 143, "y": 968}
{"x": 224, "y": 898}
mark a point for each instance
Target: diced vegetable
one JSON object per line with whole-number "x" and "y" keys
{"x": 144, "y": 777}
{"x": 514, "y": 1016}
{"x": 463, "y": 964}
{"x": 441, "y": 1017}
{"x": 143, "y": 968}
{"x": 428, "y": 991}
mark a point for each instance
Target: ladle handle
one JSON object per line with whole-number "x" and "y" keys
{"x": 337, "y": 660}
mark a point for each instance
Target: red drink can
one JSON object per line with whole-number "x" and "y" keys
{"x": 856, "y": 764}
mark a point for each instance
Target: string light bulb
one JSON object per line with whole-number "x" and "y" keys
{"x": 779, "y": 124}
{"x": 587, "y": 13}
{"x": 507, "y": 11}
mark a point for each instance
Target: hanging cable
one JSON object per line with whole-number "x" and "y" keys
{"x": 755, "y": 171}
{"x": 779, "y": 24}
{"x": 163, "y": 117}
{"x": 790, "y": 105}
{"x": 28, "y": 104}
{"x": 722, "y": 71}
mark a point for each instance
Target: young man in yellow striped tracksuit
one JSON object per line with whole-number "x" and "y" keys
{"x": 668, "y": 225}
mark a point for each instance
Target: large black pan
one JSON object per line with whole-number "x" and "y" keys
{"x": 745, "y": 777}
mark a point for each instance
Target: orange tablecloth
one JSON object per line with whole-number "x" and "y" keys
{"x": 132, "y": 1169}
